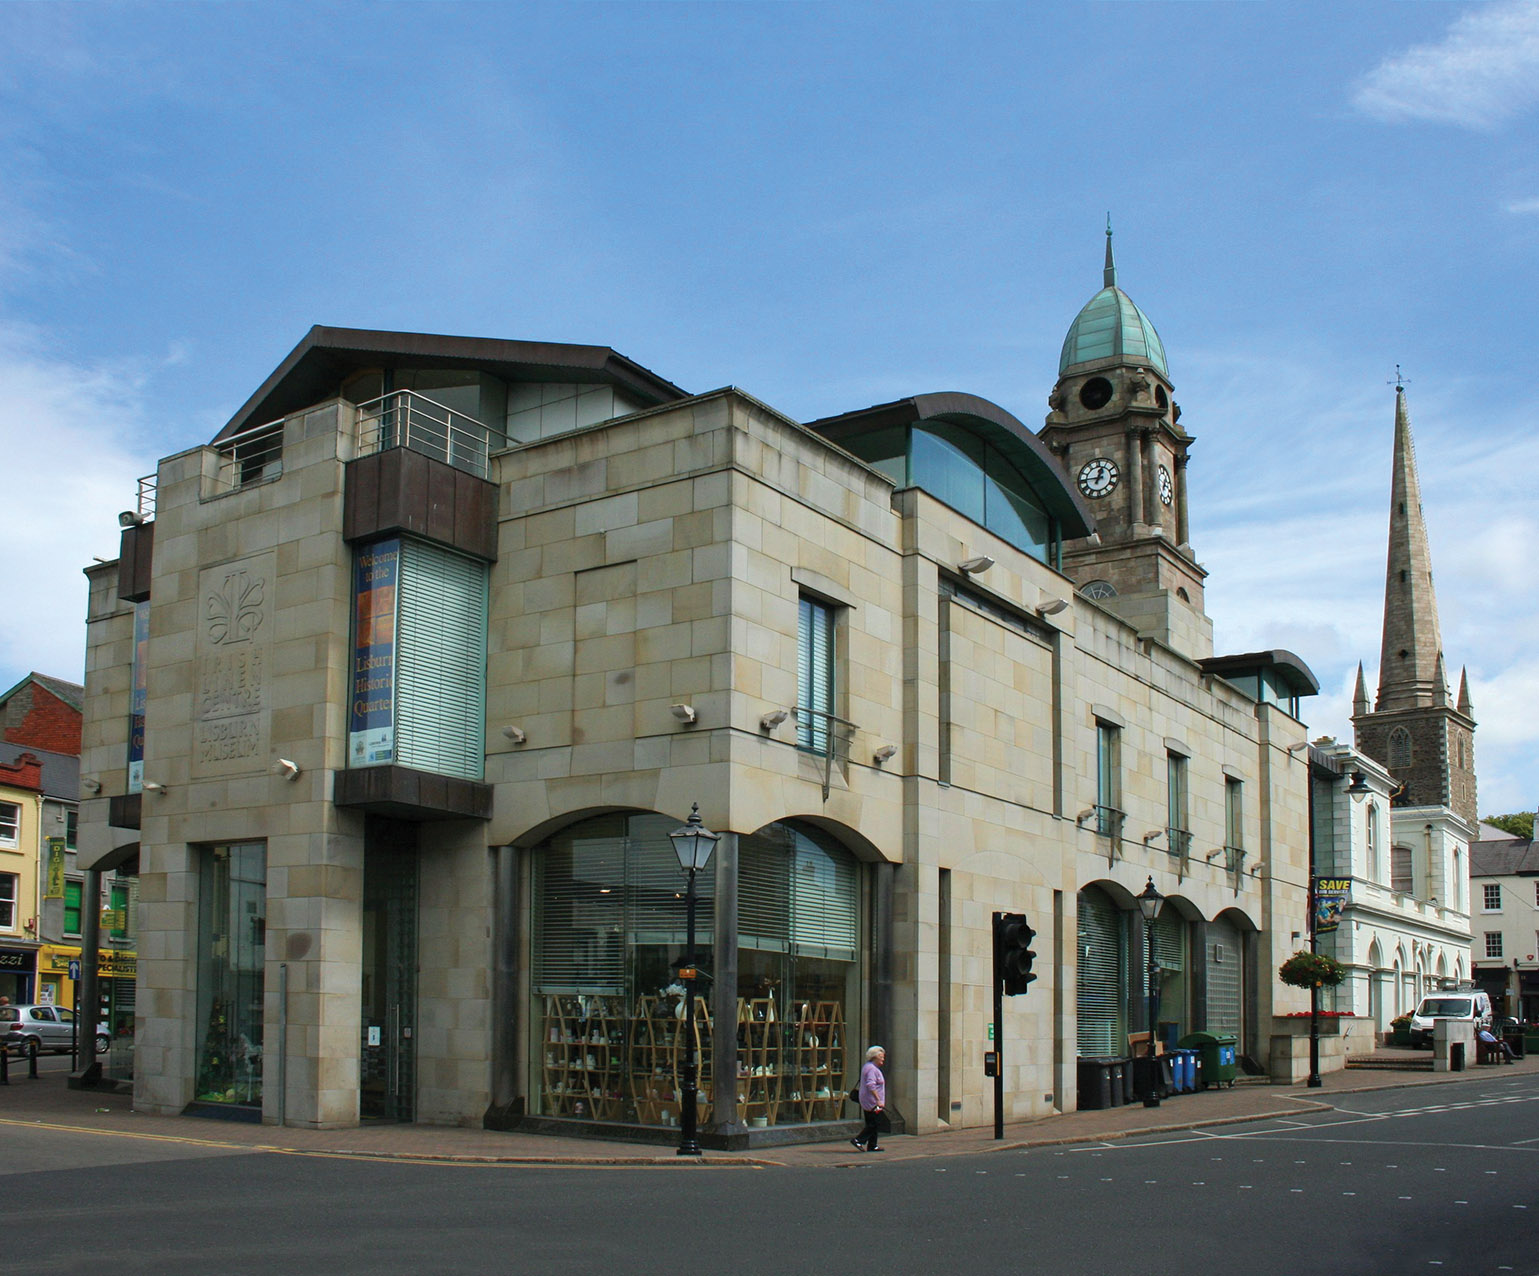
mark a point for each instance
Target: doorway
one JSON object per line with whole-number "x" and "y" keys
{"x": 388, "y": 1058}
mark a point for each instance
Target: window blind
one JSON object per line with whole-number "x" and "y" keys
{"x": 441, "y": 662}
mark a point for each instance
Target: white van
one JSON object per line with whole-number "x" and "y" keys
{"x": 1472, "y": 1007}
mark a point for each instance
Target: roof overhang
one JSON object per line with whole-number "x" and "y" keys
{"x": 1293, "y": 672}
{"x": 989, "y": 422}
{"x": 316, "y": 367}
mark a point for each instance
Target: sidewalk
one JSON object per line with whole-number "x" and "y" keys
{"x": 48, "y": 1103}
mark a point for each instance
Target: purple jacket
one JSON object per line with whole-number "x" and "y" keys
{"x": 873, "y": 1087}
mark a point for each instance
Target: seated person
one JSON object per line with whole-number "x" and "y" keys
{"x": 1488, "y": 1039}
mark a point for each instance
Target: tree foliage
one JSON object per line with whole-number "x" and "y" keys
{"x": 1520, "y": 824}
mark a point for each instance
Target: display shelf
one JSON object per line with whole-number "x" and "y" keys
{"x": 657, "y": 1060}
{"x": 584, "y": 1049}
{"x": 760, "y": 1060}
{"x": 813, "y": 1083}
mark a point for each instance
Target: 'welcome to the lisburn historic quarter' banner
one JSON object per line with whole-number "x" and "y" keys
{"x": 371, "y": 731}
{"x": 1331, "y": 896}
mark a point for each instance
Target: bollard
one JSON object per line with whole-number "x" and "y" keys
{"x": 5, "y": 1065}
{"x": 32, "y": 1065}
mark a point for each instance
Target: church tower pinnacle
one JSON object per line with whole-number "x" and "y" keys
{"x": 1415, "y": 728}
{"x": 1409, "y": 660}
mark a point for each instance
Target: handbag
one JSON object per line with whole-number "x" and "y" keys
{"x": 854, "y": 1096}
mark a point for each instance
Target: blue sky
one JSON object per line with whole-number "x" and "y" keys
{"x": 829, "y": 206}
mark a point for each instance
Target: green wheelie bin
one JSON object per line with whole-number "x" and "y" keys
{"x": 1218, "y": 1056}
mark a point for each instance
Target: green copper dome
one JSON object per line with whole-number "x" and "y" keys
{"x": 1111, "y": 326}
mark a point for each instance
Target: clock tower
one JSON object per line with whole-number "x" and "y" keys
{"x": 1116, "y": 430}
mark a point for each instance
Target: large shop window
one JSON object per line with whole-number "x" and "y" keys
{"x": 419, "y": 663}
{"x": 1101, "y": 984}
{"x": 610, "y": 936}
{"x": 232, "y": 939}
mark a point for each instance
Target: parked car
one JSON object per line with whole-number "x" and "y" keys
{"x": 1472, "y": 1007}
{"x": 31, "y": 1028}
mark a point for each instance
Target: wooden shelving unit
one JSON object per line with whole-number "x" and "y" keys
{"x": 760, "y": 1038}
{"x": 813, "y": 1083}
{"x": 584, "y": 1049}
{"x": 657, "y": 1060}
{"x": 790, "y": 1071}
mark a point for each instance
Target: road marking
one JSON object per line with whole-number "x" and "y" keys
{"x": 134, "y": 1134}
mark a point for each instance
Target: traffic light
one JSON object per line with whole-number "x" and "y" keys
{"x": 1012, "y": 942}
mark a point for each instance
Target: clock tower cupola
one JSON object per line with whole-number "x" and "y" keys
{"x": 1115, "y": 428}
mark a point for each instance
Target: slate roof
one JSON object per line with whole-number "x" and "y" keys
{"x": 1509, "y": 857}
{"x": 61, "y": 771}
{"x": 72, "y": 693}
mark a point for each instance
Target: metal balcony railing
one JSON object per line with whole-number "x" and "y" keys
{"x": 144, "y": 504}
{"x": 252, "y": 456}
{"x": 1178, "y": 843}
{"x": 825, "y": 734}
{"x": 1109, "y": 821}
{"x": 407, "y": 419}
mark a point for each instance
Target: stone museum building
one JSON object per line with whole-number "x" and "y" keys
{"x": 400, "y": 684}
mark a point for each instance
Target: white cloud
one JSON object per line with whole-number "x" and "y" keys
{"x": 1485, "y": 70}
{"x": 1522, "y": 206}
{"x": 69, "y": 467}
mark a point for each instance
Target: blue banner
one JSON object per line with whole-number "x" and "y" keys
{"x": 371, "y": 730}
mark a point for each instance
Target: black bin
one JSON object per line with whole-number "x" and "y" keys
{"x": 1101, "y": 1084}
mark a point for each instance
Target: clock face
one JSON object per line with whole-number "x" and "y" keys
{"x": 1167, "y": 488}
{"x": 1097, "y": 477}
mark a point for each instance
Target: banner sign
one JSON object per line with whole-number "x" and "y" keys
{"x": 53, "y": 888}
{"x": 371, "y": 727}
{"x": 1331, "y": 897}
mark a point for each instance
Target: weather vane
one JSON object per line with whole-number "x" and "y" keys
{"x": 1399, "y": 382}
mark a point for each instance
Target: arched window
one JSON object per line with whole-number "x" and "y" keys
{"x": 1399, "y": 748}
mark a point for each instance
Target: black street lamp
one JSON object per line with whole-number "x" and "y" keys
{"x": 1149, "y": 904}
{"x": 693, "y": 844}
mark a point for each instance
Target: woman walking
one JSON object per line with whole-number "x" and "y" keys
{"x": 873, "y": 1101}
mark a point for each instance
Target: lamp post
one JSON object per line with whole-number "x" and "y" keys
{"x": 693, "y": 844}
{"x": 1149, "y": 904}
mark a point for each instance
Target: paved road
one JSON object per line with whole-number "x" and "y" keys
{"x": 1391, "y": 1181}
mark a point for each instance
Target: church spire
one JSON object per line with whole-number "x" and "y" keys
{"x": 1109, "y": 274}
{"x": 1410, "y": 672}
{"x": 1360, "y": 693}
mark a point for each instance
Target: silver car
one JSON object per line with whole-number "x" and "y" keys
{"x": 29, "y": 1029}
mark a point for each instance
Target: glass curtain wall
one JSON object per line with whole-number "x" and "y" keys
{"x": 610, "y": 934}
{"x": 232, "y": 937}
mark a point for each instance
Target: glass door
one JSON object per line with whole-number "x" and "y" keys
{"x": 388, "y": 1073}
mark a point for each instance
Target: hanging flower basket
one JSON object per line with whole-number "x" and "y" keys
{"x": 1311, "y": 970}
